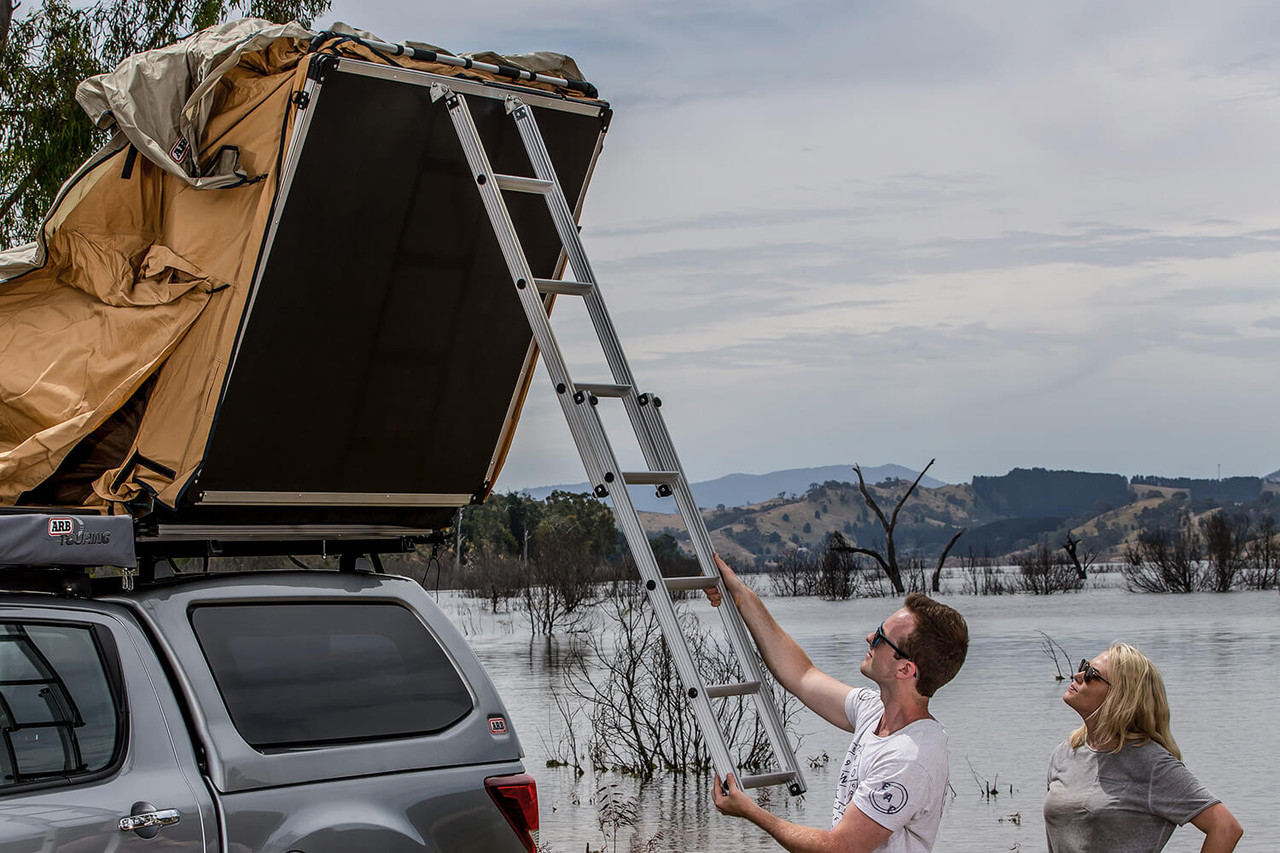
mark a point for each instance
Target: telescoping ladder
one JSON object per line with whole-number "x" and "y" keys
{"x": 579, "y": 399}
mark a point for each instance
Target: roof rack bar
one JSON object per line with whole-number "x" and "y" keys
{"x": 423, "y": 54}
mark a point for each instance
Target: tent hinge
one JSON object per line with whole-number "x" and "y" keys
{"x": 301, "y": 99}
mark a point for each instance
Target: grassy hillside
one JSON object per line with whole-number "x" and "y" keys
{"x": 764, "y": 530}
{"x": 761, "y": 532}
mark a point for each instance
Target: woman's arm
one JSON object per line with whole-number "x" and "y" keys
{"x": 1220, "y": 828}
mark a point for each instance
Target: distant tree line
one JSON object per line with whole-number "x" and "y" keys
{"x": 1040, "y": 492}
{"x": 1230, "y": 489}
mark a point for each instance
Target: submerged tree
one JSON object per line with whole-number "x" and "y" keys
{"x": 1044, "y": 571}
{"x": 625, "y": 690}
{"x": 889, "y": 559}
{"x": 1164, "y": 560}
{"x": 1226, "y": 544}
{"x": 44, "y": 135}
{"x": 1263, "y": 568}
{"x": 1082, "y": 562}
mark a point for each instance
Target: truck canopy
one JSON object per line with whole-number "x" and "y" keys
{"x": 272, "y": 305}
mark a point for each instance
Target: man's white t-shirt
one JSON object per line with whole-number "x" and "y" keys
{"x": 899, "y": 781}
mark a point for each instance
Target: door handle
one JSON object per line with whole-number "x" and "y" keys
{"x": 152, "y": 820}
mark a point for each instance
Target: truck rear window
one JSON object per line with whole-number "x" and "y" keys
{"x": 302, "y": 674}
{"x": 58, "y": 714}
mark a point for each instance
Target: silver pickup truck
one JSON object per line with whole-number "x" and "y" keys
{"x": 277, "y": 711}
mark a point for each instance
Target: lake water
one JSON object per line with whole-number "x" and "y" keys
{"x": 1004, "y": 714}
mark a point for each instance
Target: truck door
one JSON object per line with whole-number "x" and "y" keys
{"x": 94, "y": 755}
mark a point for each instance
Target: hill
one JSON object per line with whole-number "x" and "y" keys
{"x": 739, "y": 490}
{"x": 1002, "y": 516}
{"x": 760, "y": 532}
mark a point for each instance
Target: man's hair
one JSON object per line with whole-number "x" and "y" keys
{"x": 937, "y": 645}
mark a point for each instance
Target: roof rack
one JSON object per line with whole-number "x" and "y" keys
{"x": 52, "y": 550}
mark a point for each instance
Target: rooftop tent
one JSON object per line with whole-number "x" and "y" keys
{"x": 273, "y": 305}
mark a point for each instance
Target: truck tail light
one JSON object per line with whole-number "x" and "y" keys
{"x": 517, "y": 798}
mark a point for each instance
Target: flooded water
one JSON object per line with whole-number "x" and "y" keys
{"x": 1003, "y": 712}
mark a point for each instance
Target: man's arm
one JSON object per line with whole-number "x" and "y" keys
{"x": 855, "y": 833}
{"x": 788, "y": 662}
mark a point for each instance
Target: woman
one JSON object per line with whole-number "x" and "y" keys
{"x": 1118, "y": 783}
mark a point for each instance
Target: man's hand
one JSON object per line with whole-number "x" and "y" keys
{"x": 735, "y": 802}
{"x": 855, "y": 833}
{"x": 731, "y": 582}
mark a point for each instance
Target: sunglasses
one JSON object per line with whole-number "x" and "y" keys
{"x": 881, "y": 637}
{"x": 1090, "y": 672}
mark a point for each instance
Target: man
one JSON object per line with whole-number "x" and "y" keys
{"x": 894, "y": 778}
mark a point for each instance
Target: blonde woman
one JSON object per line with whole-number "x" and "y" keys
{"x": 1118, "y": 784}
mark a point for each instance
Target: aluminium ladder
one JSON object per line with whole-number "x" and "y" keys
{"x": 578, "y": 401}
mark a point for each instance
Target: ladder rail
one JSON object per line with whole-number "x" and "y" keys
{"x": 513, "y": 254}
{"x": 655, "y": 440}
{"x": 567, "y": 229}
{"x": 587, "y": 427}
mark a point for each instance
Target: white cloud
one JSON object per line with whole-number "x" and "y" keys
{"x": 1002, "y": 234}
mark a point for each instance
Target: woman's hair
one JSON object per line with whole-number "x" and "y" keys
{"x": 1136, "y": 709}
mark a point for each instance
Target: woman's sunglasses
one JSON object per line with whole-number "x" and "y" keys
{"x": 1090, "y": 672}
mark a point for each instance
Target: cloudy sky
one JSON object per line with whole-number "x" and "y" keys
{"x": 999, "y": 233}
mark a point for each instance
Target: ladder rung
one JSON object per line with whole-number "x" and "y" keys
{"x": 519, "y": 184}
{"x": 649, "y": 478}
{"x": 765, "y": 779}
{"x": 695, "y": 582}
{"x": 604, "y": 390}
{"x": 746, "y": 688}
{"x": 569, "y": 288}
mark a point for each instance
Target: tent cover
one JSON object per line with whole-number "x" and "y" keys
{"x": 272, "y": 305}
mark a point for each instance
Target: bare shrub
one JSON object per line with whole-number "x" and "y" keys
{"x": 838, "y": 570}
{"x": 1262, "y": 566}
{"x": 795, "y": 574}
{"x": 493, "y": 576}
{"x": 1044, "y": 572}
{"x": 562, "y": 574}
{"x": 640, "y": 722}
{"x": 1226, "y": 543}
{"x": 1052, "y": 649}
{"x": 1164, "y": 560}
{"x": 981, "y": 576}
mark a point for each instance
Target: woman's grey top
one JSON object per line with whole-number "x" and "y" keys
{"x": 1126, "y": 802}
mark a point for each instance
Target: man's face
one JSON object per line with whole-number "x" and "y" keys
{"x": 881, "y": 662}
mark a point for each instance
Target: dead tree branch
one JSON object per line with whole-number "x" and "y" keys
{"x": 888, "y": 562}
{"x": 942, "y": 558}
{"x": 1072, "y": 546}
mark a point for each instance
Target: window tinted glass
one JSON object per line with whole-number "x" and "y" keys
{"x": 58, "y": 717}
{"x": 301, "y": 673}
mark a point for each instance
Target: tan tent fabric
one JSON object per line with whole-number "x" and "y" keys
{"x": 162, "y": 99}
{"x": 146, "y": 261}
{"x": 140, "y": 270}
